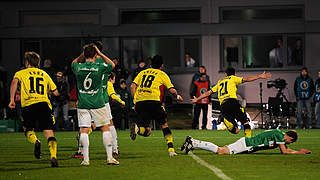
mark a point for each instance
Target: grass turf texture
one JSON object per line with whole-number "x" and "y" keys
{"x": 147, "y": 158}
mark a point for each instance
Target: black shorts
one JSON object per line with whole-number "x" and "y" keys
{"x": 150, "y": 110}
{"x": 231, "y": 110}
{"x": 37, "y": 115}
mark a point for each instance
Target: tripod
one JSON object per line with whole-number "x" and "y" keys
{"x": 261, "y": 108}
{"x": 278, "y": 108}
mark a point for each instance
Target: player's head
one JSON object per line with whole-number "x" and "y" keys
{"x": 290, "y": 136}
{"x": 157, "y": 62}
{"x": 304, "y": 71}
{"x": 230, "y": 71}
{"x": 112, "y": 77}
{"x": 32, "y": 58}
{"x": 99, "y": 45}
{"x": 89, "y": 51}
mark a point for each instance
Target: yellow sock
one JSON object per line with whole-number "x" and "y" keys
{"x": 90, "y": 131}
{"x": 31, "y": 137}
{"x": 52, "y": 144}
{"x": 169, "y": 141}
{"x": 141, "y": 131}
{"x": 247, "y": 132}
{"x": 228, "y": 124}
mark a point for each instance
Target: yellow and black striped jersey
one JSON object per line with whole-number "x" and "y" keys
{"x": 227, "y": 88}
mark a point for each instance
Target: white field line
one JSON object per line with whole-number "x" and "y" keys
{"x": 214, "y": 169}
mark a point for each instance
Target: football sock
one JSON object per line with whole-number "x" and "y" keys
{"x": 205, "y": 145}
{"x": 107, "y": 142}
{"x": 52, "y": 144}
{"x": 142, "y": 131}
{"x": 31, "y": 136}
{"x": 114, "y": 139}
{"x": 79, "y": 144}
{"x": 247, "y": 130}
{"x": 228, "y": 124}
{"x": 84, "y": 140}
{"x": 168, "y": 137}
{"x": 90, "y": 131}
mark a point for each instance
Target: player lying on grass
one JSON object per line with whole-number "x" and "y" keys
{"x": 269, "y": 139}
{"x": 227, "y": 88}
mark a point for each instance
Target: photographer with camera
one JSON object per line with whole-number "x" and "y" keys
{"x": 304, "y": 89}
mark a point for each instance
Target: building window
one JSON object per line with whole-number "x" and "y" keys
{"x": 261, "y": 13}
{"x": 160, "y": 16}
{"x": 262, "y": 51}
{"x": 31, "y": 18}
{"x": 172, "y": 49}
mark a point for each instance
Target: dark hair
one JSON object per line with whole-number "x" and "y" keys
{"x": 156, "y": 62}
{"x": 304, "y": 68}
{"x": 187, "y": 53}
{"x": 293, "y": 134}
{"x": 230, "y": 71}
{"x": 99, "y": 45}
{"x": 32, "y": 58}
{"x": 123, "y": 81}
{"x": 89, "y": 50}
{"x": 111, "y": 75}
{"x": 202, "y": 67}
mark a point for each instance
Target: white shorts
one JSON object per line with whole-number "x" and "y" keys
{"x": 239, "y": 146}
{"x": 100, "y": 117}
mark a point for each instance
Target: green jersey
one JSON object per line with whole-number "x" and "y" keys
{"x": 89, "y": 83}
{"x": 269, "y": 139}
{"x": 104, "y": 81}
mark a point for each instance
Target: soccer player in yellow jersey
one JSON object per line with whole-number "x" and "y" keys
{"x": 36, "y": 107}
{"x": 146, "y": 92}
{"x": 227, "y": 94}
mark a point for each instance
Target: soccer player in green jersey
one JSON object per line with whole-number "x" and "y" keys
{"x": 269, "y": 139}
{"x": 91, "y": 103}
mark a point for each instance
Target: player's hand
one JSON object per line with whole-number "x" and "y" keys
{"x": 265, "y": 75}
{"x": 305, "y": 151}
{"x": 123, "y": 104}
{"x": 179, "y": 98}
{"x": 77, "y": 103}
{"x": 194, "y": 100}
{"x": 12, "y": 105}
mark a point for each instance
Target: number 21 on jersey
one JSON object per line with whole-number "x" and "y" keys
{"x": 223, "y": 88}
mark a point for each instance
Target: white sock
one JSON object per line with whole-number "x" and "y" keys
{"x": 107, "y": 142}
{"x": 84, "y": 140}
{"x": 114, "y": 139}
{"x": 205, "y": 145}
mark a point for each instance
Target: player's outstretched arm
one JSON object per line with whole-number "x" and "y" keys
{"x": 133, "y": 89}
{"x": 105, "y": 58}
{"x": 286, "y": 150}
{"x": 13, "y": 89}
{"x": 264, "y": 75}
{"x": 175, "y": 93}
{"x": 206, "y": 94}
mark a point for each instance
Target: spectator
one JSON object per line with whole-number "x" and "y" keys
{"x": 317, "y": 101}
{"x": 304, "y": 89}
{"x": 119, "y": 71}
{"x": 190, "y": 62}
{"x": 47, "y": 67}
{"x": 125, "y": 96}
{"x": 141, "y": 67}
{"x": 196, "y": 76}
{"x": 277, "y": 55}
{"x": 297, "y": 54}
{"x": 199, "y": 87}
{"x": 60, "y": 103}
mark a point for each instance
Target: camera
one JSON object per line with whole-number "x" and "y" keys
{"x": 278, "y": 83}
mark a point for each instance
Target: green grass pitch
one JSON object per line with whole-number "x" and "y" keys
{"x": 147, "y": 158}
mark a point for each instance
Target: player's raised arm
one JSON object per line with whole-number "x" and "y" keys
{"x": 105, "y": 58}
{"x": 264, "y": 75}
{"x": 13, "y": 89}
{"x": 206, "y": 94}
{"x": 79, "y": 58}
